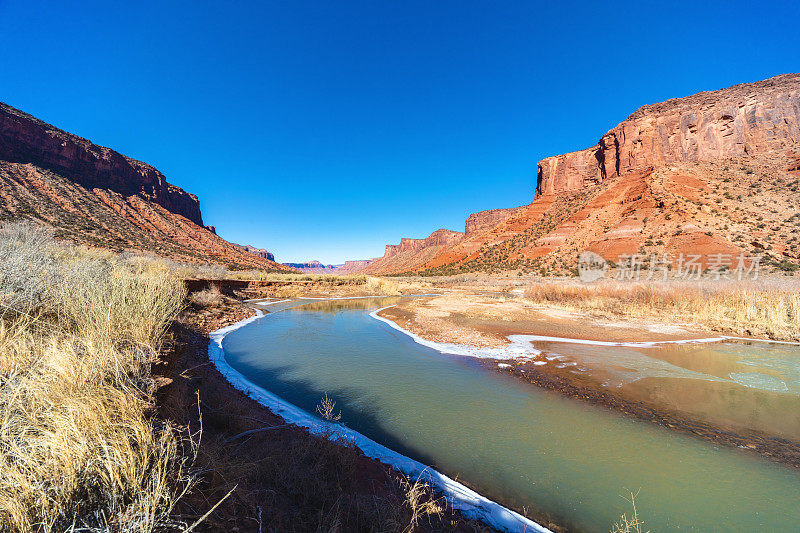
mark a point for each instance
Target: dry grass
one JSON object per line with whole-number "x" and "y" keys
{"x": 382, "y": 286}
{"x": 632, "y": 524}
{"x": 78, "y": 446}
{"x": 207, "y": 297}
{"x": 758, "y": 308}
{"x": 421, "y": 502}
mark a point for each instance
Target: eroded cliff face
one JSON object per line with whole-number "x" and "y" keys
{"x": 412, "y": 254}
{"x": 486, "y": 220}
{"x": 104, "y": 218}
{"x": 350, "y": 267}
{"x": 26, "y": 139}
{"x": 749, "y": 119}
{"x": 440, "y": 237}
{"x": 260, "y": 252}
{"x": 95, "y": 196}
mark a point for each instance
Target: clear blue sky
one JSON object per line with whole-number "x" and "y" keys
{"x": 327, "y": 129}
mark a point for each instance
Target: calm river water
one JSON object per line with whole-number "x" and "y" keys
{"x": 521, "y": 446}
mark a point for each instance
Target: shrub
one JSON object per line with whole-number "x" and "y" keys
{"x": 207, "y": 297}
{"x": 381, "y": 286}
{"x": 27, "y": 270}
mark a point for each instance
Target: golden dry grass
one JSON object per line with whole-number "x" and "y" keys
{"x": 207, "y": 297}
{"x": 382, "y": 286}
{"x": 78, "y": 446}
{"x": 757, "y": 308}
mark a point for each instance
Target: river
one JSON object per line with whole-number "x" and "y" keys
{"x": 524, "y": 447}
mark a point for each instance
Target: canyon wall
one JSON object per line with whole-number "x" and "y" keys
{"x": 749, "y": 119}
{"x": 26, "y": 139}
{"x": 440, "y": 237}
{"x": 412, "y": 254}
{"x": 486, "y": 220}
{"x": 260, "y": 252}
{"x": 350, "y": 267}
{"x": 737, "y": 149}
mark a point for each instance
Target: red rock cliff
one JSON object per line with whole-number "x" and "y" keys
{"x": 260, "y": 252}
{"x": 744, "y": 120}
{"x": 486, "y": 220}
{"x": 440, "y": 237}
{"x": 350, "y": 267}
{"x": 26, "y": 139}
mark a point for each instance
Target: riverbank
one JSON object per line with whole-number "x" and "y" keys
{"x": 485, "y": 321}
{"x": 282, "y": 477}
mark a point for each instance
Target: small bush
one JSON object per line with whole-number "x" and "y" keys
{"x": 381, "y": 286}
{"x": 206, "y": 298}
{"x": 27, "y": 270}
{"x": 632, "y": 524}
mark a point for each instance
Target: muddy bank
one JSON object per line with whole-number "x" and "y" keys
{"x": 468, "y": 319}
{"x": 279, "y": 476}
{"x": 558, "y": 380}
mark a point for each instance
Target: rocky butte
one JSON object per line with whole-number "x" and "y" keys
{"x": 260, "y": 252}
{"x": 95, "y": 196}
{"x": 712, "y": 173}
{"x": 744, "y": 120}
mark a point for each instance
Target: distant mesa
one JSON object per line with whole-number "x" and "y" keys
{"x": 351, "y": 267}
{"x": 95, "y": 196}
{"x": 705, "y": 174}
{"x": 314, "y": 267}
{"x": 317, "y": 267}
{"x": 260, "y": 252}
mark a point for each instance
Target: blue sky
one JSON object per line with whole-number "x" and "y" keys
{"x": 325, "y": 130}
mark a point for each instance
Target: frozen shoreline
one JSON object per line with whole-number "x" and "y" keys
{"x": 522, "y": 345}
{"x": 460, "y": 497}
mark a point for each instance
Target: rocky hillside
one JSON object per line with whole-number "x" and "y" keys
{"x": 713, "y": 173}
{"x": 95, "y": 196}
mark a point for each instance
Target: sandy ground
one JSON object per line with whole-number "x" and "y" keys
{"x": 487, "y": 319}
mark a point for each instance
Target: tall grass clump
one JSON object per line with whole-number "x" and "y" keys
{"x": 79, "y": 447}
{"x": 381, "y": 286}
{"x": 207, "y": 297}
